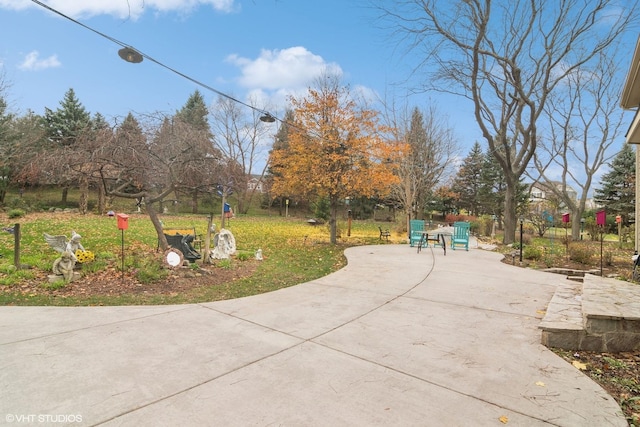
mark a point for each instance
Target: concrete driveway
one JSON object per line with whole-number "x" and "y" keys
{"x": 396, "y": 338}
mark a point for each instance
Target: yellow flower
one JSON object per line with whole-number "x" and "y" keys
{"x": 84, "y": 256}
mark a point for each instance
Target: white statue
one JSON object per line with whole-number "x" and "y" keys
{"x": 225, "y": 245}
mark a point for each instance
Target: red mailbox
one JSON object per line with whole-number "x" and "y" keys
{"x": 618, "y": 219}
{"x": 565, "y": 218}
{"x": 123, "y": 221}
{"x": 601, "y": 217}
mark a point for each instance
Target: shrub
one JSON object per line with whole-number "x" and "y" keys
{"x": 580, "y": 253}
{"x": 532, "y": 253}
{"x": 15, "y": 213}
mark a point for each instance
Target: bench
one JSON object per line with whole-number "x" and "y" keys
{"x": 384, "y": 233}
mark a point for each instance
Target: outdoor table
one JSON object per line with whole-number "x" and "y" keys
{"x": 434, "y": 236}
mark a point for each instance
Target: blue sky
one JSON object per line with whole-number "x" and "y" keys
{"x": 263, "y": 49}
{"x": 266, "y": 49}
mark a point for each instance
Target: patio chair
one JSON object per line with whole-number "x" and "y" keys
{"x": 416, "y": 227}
{"x": 460, "y": 235}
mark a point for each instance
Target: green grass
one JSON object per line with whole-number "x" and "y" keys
{"x": 294, "y": 252}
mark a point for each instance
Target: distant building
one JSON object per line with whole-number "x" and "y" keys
{"x": 256, "y": 184}
{"x": 543, "y": 191}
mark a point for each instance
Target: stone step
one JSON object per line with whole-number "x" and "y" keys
{"x": 600, "y": 314}
{"x": 562, "y": 325}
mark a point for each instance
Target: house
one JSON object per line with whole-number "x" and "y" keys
{"x": 256, "y": 184}
{"x": 543, "y": 191}
{"x": 630, "y": 100}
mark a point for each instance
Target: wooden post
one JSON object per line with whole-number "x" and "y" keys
{"x": 207, "y": 241}
{"x": 16, "y": 245}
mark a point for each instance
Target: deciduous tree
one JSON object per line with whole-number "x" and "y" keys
{"x": 336, "y": 149}
{"x": 507, "y": 57}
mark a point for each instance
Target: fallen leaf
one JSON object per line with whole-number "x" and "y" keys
{"x": 541, "y": 312}
{"x": 540, "y": 384}
{"x": 579, "y": 365}
{"x": 504, "y": 419}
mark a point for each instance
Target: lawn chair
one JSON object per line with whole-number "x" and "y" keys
{"x": 416, "y": 227}
{"x": 460, "y": 235}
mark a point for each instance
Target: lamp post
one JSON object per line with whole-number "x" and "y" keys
{"x": 521, "y": 223}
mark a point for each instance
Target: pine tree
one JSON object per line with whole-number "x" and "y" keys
{"x": 617, "y": 191}
{"x": 468, "y": 181}
{"x": 66, "y": 124}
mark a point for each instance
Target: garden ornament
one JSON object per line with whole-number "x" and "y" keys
{"x": 64, "y": 265}
{"x": 225, "y": 245}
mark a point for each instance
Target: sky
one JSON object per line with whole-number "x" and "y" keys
{"x": 249, "y": 49}
{"x": 263, "y": 50}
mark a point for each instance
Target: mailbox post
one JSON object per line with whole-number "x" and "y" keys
{"x": 123, "y": 224}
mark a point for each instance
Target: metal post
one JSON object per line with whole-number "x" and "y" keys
{"x": 521, "y": 221}
{"x": 16, "y": 246}
{"x": 122, "y": 254}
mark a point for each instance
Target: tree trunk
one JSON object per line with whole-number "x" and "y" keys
{"x": 65, "y": 194}
{"x": 333, "y": 219}
{"x": 194, "y": 201}
{"x": 153, "y": 215}
{"x": 83, "y": 202}
{"x": 510, "y": 219}
{"x": 102, "y": 199}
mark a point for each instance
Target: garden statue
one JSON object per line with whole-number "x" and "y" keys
{"x": 64, "y": 266}
{"x": 69, "y": 250}
{"x": 225, "y": 245}
{"x": 61, "y": 244}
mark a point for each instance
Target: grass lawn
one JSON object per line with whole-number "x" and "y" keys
{"x": 294, "y": 252}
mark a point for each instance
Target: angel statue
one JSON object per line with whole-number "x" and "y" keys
{"x": 64, "y": 265}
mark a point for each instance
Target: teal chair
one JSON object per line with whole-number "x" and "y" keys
{"x": 416, "y": 227}
{"x": 460, "y": 235}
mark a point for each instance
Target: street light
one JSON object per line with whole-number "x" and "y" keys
{"x": 130, "y": 55}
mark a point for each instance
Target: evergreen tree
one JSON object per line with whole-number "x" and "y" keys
{"x": 66, "y": 124}
{"x": 468, "y": 180}
{"x": 195, "y": 113}
{"x": 618, "y": 191}
{"x": 491, "y": 191}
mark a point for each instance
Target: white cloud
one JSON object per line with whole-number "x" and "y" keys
{"x": 288, "y": 70}
{"x": 131, "y": 9}
{"x": 32, "y": 62}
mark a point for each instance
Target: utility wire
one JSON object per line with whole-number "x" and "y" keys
{"x": 173, "y": 70}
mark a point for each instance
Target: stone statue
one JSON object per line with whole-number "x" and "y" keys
{"x": 225, "y": 245}
{"x": 64, "y": 265}
{"x": 61, "y": 244}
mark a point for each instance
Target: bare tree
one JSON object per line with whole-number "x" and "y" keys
{"x": 507, "y": 57}
{"x": 584, "y": 122}
{"x": 429, "y": 148}
{"x": 240, "y": 136}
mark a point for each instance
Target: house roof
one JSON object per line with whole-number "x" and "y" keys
{"x": 631, "y": 90}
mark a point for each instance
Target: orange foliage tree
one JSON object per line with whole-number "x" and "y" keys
{"x": 335, "y": 150}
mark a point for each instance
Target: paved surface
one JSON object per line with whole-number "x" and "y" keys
{"x": 396, "y": 338}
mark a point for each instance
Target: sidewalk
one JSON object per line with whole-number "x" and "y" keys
{"x": 396, "y": 338}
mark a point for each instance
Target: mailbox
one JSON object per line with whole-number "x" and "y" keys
{"x": 123, "y": 221}
{"x": 565, "y": 218}
{"x": 618, "y": 219}
{"x": 601, "y": 217}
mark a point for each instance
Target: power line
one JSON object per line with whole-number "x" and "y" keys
{"x": 266, "y": 116}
